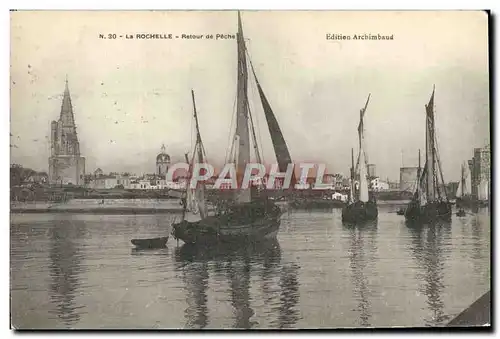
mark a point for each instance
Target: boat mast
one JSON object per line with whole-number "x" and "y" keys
{"x": 418, "y": 177}
{"x": 198, "y": 135}
{"x": 243, "y": 136}
{"x": 352, "y": 175}
{"x": 462, "y": 181}
{"x": 200, "y": 189}
{"x": 187, "y": 196}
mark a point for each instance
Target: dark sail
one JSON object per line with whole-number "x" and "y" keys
{"x": 280, "y": 149}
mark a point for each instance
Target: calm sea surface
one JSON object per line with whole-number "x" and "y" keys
{"x": 80, "y": 271}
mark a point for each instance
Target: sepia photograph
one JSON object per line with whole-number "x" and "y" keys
{"x": 251, "y": 169}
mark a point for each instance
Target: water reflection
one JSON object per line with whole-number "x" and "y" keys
{"x": 427, "y": 245}
{"x": 65, "y": 268}
{"x": 360, "y": 254}
{"x": 237, "y": 265}
{"x": 289, "y": 298}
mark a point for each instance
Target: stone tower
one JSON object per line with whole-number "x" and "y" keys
{"x": 162, "y": 162}
{"x": 66, "y": 166}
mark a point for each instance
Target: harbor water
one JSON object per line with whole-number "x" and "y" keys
{"x": 81, "y": 271}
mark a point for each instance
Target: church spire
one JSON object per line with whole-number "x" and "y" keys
{"x": 163, "y": 148}
{"x": 67, "y": 117}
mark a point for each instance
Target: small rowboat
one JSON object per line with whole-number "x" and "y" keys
{"x": 150, "y": 243}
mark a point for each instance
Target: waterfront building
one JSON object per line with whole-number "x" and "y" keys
{"x": 378, "y": 185}
{"x": 112, "y": 181}
{"x": 481, "y": 173}
{"x": 372, "y": 172}
{"x": 66, "y": 165}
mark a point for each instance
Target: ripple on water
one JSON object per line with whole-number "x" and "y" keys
{"x": 80, "y": 271}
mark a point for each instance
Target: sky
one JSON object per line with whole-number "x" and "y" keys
{"x": 130, "y": 96}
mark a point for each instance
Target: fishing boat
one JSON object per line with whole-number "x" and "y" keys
{"x": 150, "y": 243}
{"x": 430, "y": 201}
{"x": 464, "y": 191}
{"x": 246, "y": 216}
{"x": 361, "y": 206}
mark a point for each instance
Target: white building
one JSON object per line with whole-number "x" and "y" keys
{"x": 339, "y": 196}
{"x": 379, "y": 185}
{"x": 111, "y": 181}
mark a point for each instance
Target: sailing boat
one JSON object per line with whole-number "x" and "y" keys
{"x": 430, "y": 201}
{"x": 483, "y": 192}
{"x": 360, "y": 207}
{"x": 464, "y": 191}
{"x": 243, "y": 217}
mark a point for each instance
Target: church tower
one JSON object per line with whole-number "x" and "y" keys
{"x": 162, "y": 162}
{"x": 66, "y": 165}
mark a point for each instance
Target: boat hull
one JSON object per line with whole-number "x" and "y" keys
{"x": 317, "y": 203}
{"x": 360, "y": 212}
{"x": 150, "y": 243}
{"x": 431, "y": 212}
{"x": 227, "y": 229}
{"x": 469, "y": 202}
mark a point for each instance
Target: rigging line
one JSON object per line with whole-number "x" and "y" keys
{"x": 192, "y": 132}
{"x": 230, "y": 141}
{"x": 255, "y": 84}
{"x": 439, "y": 166}
{"x": 439, "y": 158}
{"x": 254, "y": 136}
{"x": 256, "y": 146}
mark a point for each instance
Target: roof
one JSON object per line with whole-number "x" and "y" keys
{"x": 163, "y": 157}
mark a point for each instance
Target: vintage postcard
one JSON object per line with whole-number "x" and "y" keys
{"x": 249, "y": 169}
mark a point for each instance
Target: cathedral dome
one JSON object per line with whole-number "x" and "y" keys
{"x": 163, "y": 157}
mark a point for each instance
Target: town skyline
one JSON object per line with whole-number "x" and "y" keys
{"x": 128, "y": 104}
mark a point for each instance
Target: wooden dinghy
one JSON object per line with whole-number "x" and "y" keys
{"x": 150, "y": 243}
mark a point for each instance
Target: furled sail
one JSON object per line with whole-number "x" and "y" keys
{"x": 422, "y": 188}
{"x": 483, "y": 190}
{"x": 199, "y": 150}
{"x": 195, "y": 198}
{"x": 242, "y": 132}
{"x": 363, "y": 194}
{"x": 363, "y": 178}
{"x": 191, "y": 212}
{"x": 430, "y": 150}
{"x": 465, "y": 184}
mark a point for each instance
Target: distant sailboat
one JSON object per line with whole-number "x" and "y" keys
{"x": 360, "y": 207}
{"x": 430, "y": 202}
{"x": 464, "y": 191}
{"x": 244, "y": 217}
